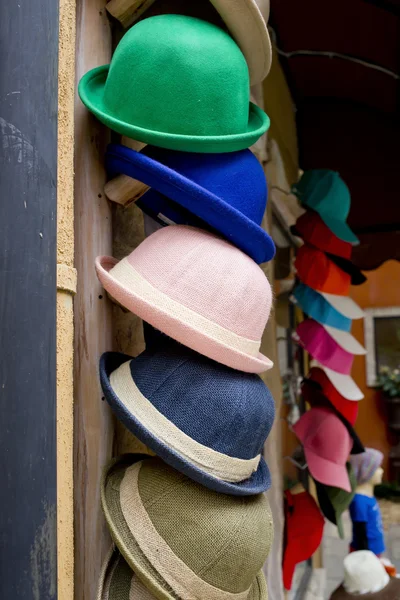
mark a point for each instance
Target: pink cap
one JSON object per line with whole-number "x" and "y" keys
{"x": 327, "y": 446}
{"x": 316, "y": 341}
{"x": 200, "y": 290}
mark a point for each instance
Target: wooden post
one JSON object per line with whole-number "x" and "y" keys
{"x": 128, "y": 11}
{"x": 93, "y": 427}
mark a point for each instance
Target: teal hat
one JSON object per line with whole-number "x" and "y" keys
{"x": 325, "y": 192}
{"x": 179, "y": 83}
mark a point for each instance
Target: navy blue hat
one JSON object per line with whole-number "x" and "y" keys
{"x": 206, "y": 420}
{"x": 315, "y": 306}
{"x": 226, "y": 192}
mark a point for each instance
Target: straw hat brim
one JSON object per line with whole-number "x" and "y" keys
{"x": 91, "y": 92}
{"x": 175, "y": 326}
{"x": 129, "y": 547}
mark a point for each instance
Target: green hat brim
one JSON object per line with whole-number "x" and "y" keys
{"x": 91, "y": 92}
{"x": 340, "y": 229}
{"x": 339, "y": 525}
{"x": 127, "y": 544}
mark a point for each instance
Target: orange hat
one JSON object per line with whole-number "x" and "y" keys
{"x": 320, "y": 273}
{"x": 313, "y": 230}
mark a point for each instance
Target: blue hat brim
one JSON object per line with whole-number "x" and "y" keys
{"x": 223, "y": 218}
{"x": 259, "y": 482}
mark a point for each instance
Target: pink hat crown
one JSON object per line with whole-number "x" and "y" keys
{"x": 208, "y": 275}
{"x": 319, "y": 430}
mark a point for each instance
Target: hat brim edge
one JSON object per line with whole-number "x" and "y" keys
{"x": 91, "y": 88}
{"x": 258, "y": 483}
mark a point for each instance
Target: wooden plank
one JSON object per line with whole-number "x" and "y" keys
{"x": 128, "y": 11}
{"x": 123, "y": 189}
{"x": 28, "y": 174}
{"x": 93, "y": 425}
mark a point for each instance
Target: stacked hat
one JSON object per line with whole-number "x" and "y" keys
{"x": 193, "y": 522}
{"x": 325, "y": 274}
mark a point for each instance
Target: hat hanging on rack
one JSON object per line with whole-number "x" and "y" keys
{"x": 318, "y": 272}
{"x": 175, "y": 400}
{"x": 176, "y": 82}
{"x": 315, "y": 398}
{"x": 316, "y": 306}
{"x": 322, "y": 347}
{"x": 334, "y": 501}
{"x": 148, "y": 506}
{"x": 244, "y": 19}
{"x": 344, "y": 384}
{"x": 225, "y": 192}
{"x": 319, "y": 431}
{"x": 325, "y": 192}
{"x": 304, "y": 526}
{"x": 198, "y": 289}
{"x": 320, "y": 385}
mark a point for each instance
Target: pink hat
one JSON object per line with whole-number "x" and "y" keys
{"x": 327, "y": 446}
{"x": 317, "y": 342}
{"x": 198, "y": 289}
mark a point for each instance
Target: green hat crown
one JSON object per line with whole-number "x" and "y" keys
{"x": 179, "y": 75}
{"x": 179, "y": 83}
{"x": 223, "y": 539}
{"x": 326, "y": 192}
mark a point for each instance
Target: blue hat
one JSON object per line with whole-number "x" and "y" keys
{"x": 206, "y": 420}
{"x": 223, "y": 192}
{"x": 316, "y": 307}
{"x": 325, "y": 192}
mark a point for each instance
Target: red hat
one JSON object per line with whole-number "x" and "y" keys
{"x": 327, "y": 446}
{"x": 313, "y": 230}
{"x": 304, "y": 526}
{"x": 320, "y": 273}
{"x": 348, "y": 408}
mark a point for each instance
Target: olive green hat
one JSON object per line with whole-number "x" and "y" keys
{"x": 334, "y": 501}
{"x": 119, "y": 582}
{"x": 177, "y": 82}
{"x": 183, "y": 540}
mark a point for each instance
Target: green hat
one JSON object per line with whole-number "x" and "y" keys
{"x": 119, "y": 582}
{"x": 177, "y": 82}
{"x": 334, "y": 501}
{"x": 325, "y": 192}
{"x": 183, "y": 540}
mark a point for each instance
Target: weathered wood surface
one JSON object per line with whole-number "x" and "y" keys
{"x": 123, "y": 189}
{"x": 93, "y": 315}
{"x": 28, "y": 179}
{"x": 128, "y": 11}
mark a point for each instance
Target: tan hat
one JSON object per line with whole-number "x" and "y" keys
{"x": 183, "y": 540}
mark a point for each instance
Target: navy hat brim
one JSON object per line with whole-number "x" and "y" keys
{"x": 223, "y": 218}
{"x": 259, "y": 482}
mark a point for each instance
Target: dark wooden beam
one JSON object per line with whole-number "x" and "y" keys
{"x": 28, "y": 175}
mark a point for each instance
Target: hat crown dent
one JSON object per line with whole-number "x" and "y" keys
{"x": 223, "y": 539}
{"x": 199, "y": 83}
{"x": 236, "y": 412}
{"x": 208, "y": 275}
